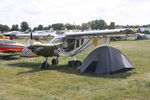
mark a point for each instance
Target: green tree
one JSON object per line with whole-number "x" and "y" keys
{"x": 58, "y": 26}
{"x": 69, "y": 26}
{"x": 46, "y": 28}
{"x": 85, "y": 26}
{"x": 40, "y": 27}
{"x": 24, "y": 26}
{"x": 98, "y": 24}
{"x": 35, "y": 28}
{"x": 49, "y": 27}
{"x": 4, "y": 28}
{"x": 119, "y": 26}
{"x": 77, "y": 27}
{"x": 14, "y": 28}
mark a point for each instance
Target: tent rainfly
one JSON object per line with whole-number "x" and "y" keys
{"x": 106, "y": 60}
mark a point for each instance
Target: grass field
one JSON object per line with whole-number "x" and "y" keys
{"x": 21, "y": 78}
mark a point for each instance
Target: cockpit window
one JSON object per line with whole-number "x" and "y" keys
{"x": 82, "y": 40}
{"x": 69, "y": 44}
{"x": 77, "y": 44}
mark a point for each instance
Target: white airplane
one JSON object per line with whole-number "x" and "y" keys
{"x": 46, "y": 33}
{"x": 73, "y": 43}
{"x": 13, "y": 33}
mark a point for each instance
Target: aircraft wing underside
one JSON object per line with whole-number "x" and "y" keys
{"x": 110, "y": 33}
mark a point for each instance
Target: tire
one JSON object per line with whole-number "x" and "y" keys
{"x": 54, "y": 61}
{"x": 71, "y": 63}
{"x": 74, "y": 63}
{"x": 77, "y": 63}
{"x": 44, "y": 65}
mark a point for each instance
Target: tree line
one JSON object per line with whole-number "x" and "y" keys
{"x": 94, "y": 24}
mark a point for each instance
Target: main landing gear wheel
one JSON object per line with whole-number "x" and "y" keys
{"x": 75, "y": 63}
{"x": 45, "y": 64}
{"x": 55, "y": 61}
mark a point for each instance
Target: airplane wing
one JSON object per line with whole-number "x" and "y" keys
{"x": 37, "y": 35}
{"x": 110, "y": 33}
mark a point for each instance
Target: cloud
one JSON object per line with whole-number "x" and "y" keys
{"x": 47, "y": 12}
{"x": 30, "y": 12}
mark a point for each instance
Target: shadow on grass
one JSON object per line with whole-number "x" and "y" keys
{"x": 8, "y": 57}
{"x": 26, "y": 65}
{"x": 66, "y": 69}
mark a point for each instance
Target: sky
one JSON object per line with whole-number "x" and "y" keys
{"x": 47, "y": 12}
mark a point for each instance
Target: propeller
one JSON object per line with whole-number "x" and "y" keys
{"x": 31, "y": 36}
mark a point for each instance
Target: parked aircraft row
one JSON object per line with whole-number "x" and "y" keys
{"x": 15, "y": 34}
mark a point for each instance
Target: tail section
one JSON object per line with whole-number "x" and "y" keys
{"x": 112, "y": 25}
{"x": 26, "y": 52}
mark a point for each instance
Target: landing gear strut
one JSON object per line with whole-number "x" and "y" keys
{"x": 45, "y": 64}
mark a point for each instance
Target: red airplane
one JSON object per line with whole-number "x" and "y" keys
{"x": 9, "y": 46}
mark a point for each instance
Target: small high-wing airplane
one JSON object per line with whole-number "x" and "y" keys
{"x": 73, "y": 43}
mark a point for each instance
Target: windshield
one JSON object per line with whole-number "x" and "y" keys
{"x": 57, "y": 40}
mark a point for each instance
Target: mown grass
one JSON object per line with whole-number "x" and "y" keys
{"x": 21, "y": 78}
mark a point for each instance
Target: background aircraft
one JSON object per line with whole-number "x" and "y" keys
{"x": 9, "y": 46}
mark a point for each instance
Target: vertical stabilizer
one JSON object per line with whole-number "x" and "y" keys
{"x": 112, "y": 25}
